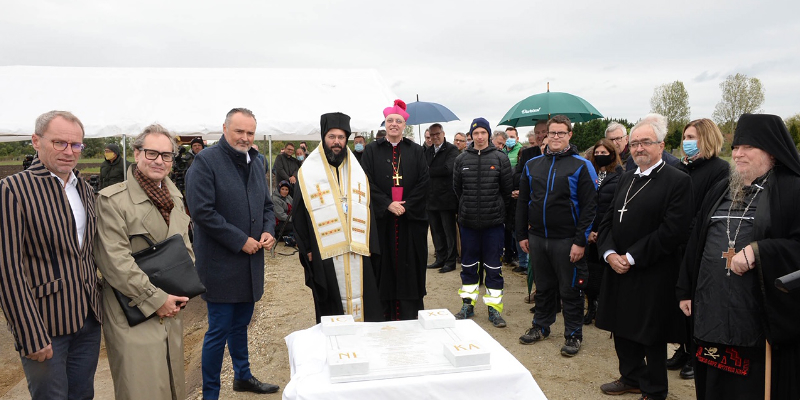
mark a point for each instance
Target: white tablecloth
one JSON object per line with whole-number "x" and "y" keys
{"x": 507, "y": 379}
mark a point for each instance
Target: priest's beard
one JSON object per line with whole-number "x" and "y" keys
{"x": 334, "y": 159}
{"x": 736, "y": 187}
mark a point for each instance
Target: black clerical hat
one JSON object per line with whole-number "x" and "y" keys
{"x": 335, "y": 120}
{"x": 768, "y": 133}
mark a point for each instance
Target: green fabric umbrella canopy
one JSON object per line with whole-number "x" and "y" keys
{"x": 545, "y": 105}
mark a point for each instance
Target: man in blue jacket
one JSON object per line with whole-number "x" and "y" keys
{"x": 233, "y": 223}
{"x": 558, "y": 200}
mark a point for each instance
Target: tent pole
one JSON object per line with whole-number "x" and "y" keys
{"x": 269, "y": 172}
{"x": 124, "y": 158}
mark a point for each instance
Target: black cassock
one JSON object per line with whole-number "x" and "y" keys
{"x": 403, "y": 240}
{"x": 776, "y": 243}
{"x": 641, "y": 305}
{"x": 320, "y": 274}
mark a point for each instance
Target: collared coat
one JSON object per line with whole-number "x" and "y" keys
{"x": 146, "y": 360}
{"x": 225, "y": 212}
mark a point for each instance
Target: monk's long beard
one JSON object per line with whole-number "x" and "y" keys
{"x": 736, "y": 187}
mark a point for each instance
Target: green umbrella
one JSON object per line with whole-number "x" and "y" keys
{"x": 545, "y": 105}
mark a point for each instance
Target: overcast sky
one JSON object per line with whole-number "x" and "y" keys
{"x": 476, "y": 57}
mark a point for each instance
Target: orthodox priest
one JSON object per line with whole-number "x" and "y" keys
{"x": 747, "y": 235}
{"x": 398, "y": 177}
{"x": 334, "y": 227}
{"x": 652, "y": 211}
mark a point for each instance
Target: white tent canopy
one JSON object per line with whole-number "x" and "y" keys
{"x": 122, "y": 101}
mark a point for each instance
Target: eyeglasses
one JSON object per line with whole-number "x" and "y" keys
{"x": 644, "y": 143}
{"x": 152, "y": 155}
{"x": 459, "y": 140}
{"x": 557, "y": 134}
{"x": 617, "y": 139}
{"x": 61, "y": 145}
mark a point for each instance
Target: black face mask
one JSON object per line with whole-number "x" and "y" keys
{"x": 603, "y": 160}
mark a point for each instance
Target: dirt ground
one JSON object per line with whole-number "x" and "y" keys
{"x": 287, "y": 306}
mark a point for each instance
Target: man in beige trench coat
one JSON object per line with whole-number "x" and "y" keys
{"x": 146, "y": 360}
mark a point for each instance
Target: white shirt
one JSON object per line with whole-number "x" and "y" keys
{"x": 74, "y": 198}
{"x": 640, "y": 174}
{"x": 436, "y": 148}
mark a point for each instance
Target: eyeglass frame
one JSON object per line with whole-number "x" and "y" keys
{"x": 158, "y": 153}
{"x": 643, "y": 143}
{"x": 559, "y": 134}
{"x": 617, "y": 139}
{"x": 81, "y": 146}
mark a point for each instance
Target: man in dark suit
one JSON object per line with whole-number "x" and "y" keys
{"x": 233, "y": 223}
{"x": 49, "y": 288}
{"x": 442, "y": 200}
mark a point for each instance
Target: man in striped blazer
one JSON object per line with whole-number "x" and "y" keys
{"x": 49, "y": 289}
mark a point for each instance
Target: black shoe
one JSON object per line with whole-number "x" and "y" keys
{"x": 254, "y": 385}
{"x": 446, "y": 269}
{"x": 533, "y": 310}
{"x": 687, "y": 372}
{"x": 436, "y": 265}
{"x": 678, "y": 359}
{"x": 520, "y": 269}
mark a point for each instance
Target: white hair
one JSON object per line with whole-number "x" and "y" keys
{"x": 657, "y": 122}
{"x": 613, "y": 126}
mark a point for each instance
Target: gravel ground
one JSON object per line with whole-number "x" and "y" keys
{"x": 287, "y": 306}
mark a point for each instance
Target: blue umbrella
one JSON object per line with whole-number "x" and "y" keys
{"x": 425, "y": 112}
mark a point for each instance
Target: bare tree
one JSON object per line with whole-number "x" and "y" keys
{"x": 740, "y": 95}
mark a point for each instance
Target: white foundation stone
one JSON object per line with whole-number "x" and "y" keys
{"x": 333, "y": 325}
{"x": 436, "y": 319}
{"x": 466, "y": 354}
{"x": 347, "y": 362}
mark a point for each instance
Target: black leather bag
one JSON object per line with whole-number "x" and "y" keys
{"x": 169, "y": 267}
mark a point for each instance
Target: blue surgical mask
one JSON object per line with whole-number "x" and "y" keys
{"x": 510, "y": 143}
{"x": 359, "y": 147}
{"x": 690, "y": 148}
{"x": 301, "y": 158}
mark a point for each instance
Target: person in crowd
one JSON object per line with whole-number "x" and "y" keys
{"x": 111, "y": 170}
{"x": 282, "y": 205}
{"x": 499, "y": 140}
{"x": 146, "y": 360}
{"x": 300, "y": 155}
{"x": 197, "y": 145}
{"x": 702, "y": 142}
{"x": 442, "y": 201}
{"x": 398, "y": 181}
{"x": 380, "y": 134}
{"x": 513, "y": 254}
{"x": 512, "y": 146}
{"x": 233, "y": 223}
{"x": 618, "y": 134}
{"x": 261, "y": 158}
{"x": 50, "y": 293}
{"x": 460, "y": 140}
{"x": 747, "y": 235}
{"x": 304, "y": 147}
{"x": 359, "y": 143}
{"x": 640, "y": 238}
{"x": 539, "y": 130}
{"x": 428, "y": 142}
{"x": 482, "y": 181}
{"x": 469, "y": 139}
{"x": 332, "y": 186}
{"x": 286, "y": 165}
{"x": 558, "y": 200}
{"x": 608, "y": 168}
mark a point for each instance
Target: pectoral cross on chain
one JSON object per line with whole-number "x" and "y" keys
{"x": 622, "y": 212}
{"x": 396, "y": 177}
{"x": 728, "y": 256}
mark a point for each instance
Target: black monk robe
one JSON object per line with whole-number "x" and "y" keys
{"x": 640, "y": 305}
{"x": 404, "y": 239}
{"x": 320, "y": 274}
{"x": 776, "y": 244}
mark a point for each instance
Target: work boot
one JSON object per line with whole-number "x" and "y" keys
{"x": 617, "y": 388}
{"x": 571, "y": 346}
{"x": 496, "y": 319}
{"x": 534, "y": 334}
{"x": 467, "y": 310}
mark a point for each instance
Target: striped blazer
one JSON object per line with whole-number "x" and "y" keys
{"x": 48, "y": 283}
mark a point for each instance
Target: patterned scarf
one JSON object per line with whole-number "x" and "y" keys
{"x": 158, "y": 195}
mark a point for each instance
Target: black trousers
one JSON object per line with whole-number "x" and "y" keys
{"x": 554, "y": 277}
{"x": 643, "y": 366}
{"x": 443, "y": 232}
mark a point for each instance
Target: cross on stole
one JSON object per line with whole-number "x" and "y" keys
{"x": 359, "y": 192}
{"x": 728, "y": 256}
{"x": 357, "y": 309}
{"x": 396, "y": 177}
{"x": 319, "y": 194}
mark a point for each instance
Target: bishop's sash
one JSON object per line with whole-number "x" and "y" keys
{"x": 339, "y": 212}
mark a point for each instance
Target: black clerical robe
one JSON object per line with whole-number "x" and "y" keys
{"x": 776, "y": 244}
{"x": 403, "y": 240}
{"x": 640, "y": 305}
{"x": 320, "y": 274}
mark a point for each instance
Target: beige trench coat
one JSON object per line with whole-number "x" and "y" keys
{"x": 146, "y": 360}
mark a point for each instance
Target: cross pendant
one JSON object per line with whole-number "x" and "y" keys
{"x": 728, "y": 256}
{"x": 622, "y": 212}
{"x": 396, "y": 177}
